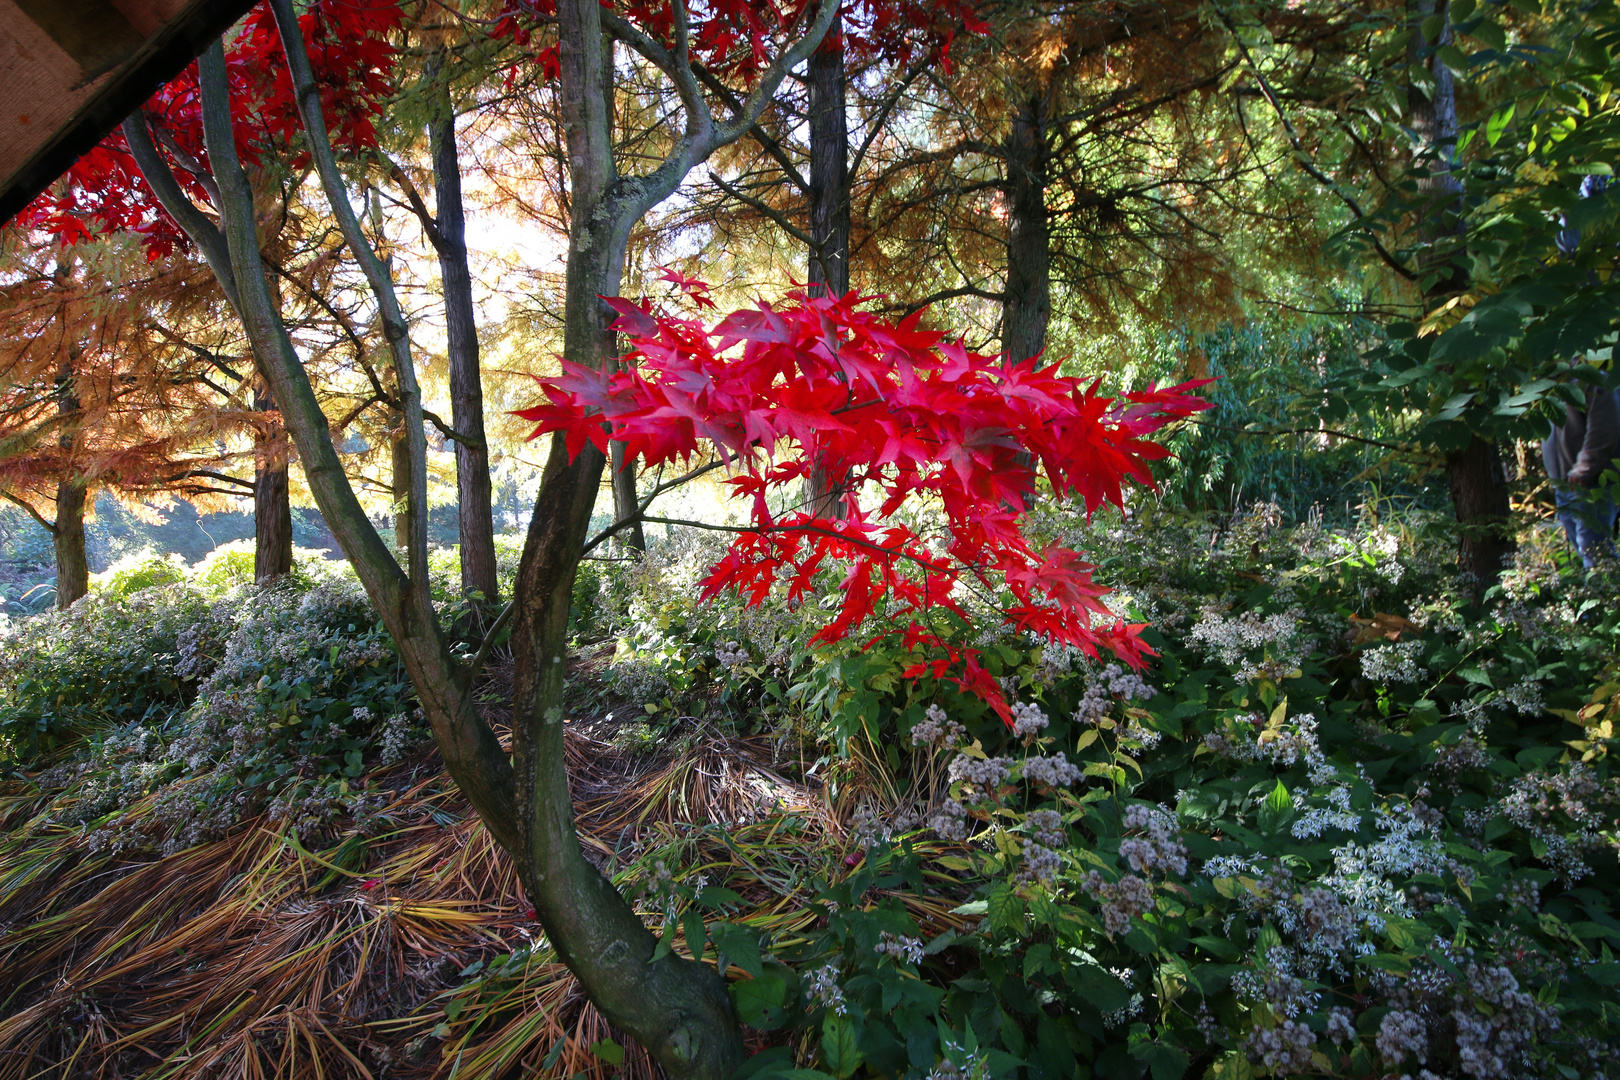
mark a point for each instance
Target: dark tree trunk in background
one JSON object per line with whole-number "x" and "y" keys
{"x": 1474, "y": 473}
{"x": 72, "y": 567}
{"x": 403, "y": 504}
{"x": 626, "y": 506}
{"x": 272, "y": 502}
{"x": 829, "y": 169}
{"x": 67, "y": 535}
{"x": 1479, "y": 494}
{"x": 474, "y": 513}
{"x": 1027, "y": 306}
{"x": 829, "y": 211}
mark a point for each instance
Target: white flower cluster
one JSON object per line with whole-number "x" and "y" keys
{"x": 731, "y": 656}
{"x": 1392, "y": 663}
{"x": 936, "y": 729}
{"x": 1569, "y": 811}
{"x": 1523, "y": 696}
{"x": 1157, "y": 847}
{"x": 1041, "y": 863}
{"x": 1028, "y": 721}
{"x": 1401, "y": 1035}
{"x": 1122, "y": 900}
{"x": 1278, "y": 639}
{"x": 1285, "y": 1049}
{"x": 871, "y": 825}
{"x": 986, "y": 774}
{"x": 1112, "y": 683}
{"x": 1054, "y": 771}
{"x": 825, "y": 990}
{"x": 1341, "y": 1025}
{"x": 1324, "y": 809}
{"x": 950, "y": 821}
{"x": 1368, "y": 877}
{"x": 900, "y": 947}
{"x": 1046, "y": 827}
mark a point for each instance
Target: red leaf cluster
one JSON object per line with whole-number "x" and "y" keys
{"x": 353, "y": 56}
{"x": 912, "y": 419}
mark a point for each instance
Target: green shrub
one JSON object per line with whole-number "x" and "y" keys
{"x": 114, "y": 658}
{"x": 1348, "y": 824}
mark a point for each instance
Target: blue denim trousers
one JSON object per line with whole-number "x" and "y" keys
{"x": 1588, "y": 520}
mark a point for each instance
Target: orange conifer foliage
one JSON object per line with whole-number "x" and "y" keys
{"x": 96, "y": 394}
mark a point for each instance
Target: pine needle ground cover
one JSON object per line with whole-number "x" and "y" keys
{"x": 1347, "y": 824}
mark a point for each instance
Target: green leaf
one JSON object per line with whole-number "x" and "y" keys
{"x": 1407, "y": 934}
{"x": 840, "y": 1045}
{"x": 1004, "y": 910}
{"x": 692, "y": 927}
{"x": 609, "y": 1051}
{"x": 762, "y": 1002}
{"x": 1497, "y": 124}
{"x": 1165, "y": 1062}
{"x": 738, "y": 945}
{"x": 713, "y": 896}
{"x": 1233, "y": 1066}
{"x": 1277, "y": 809}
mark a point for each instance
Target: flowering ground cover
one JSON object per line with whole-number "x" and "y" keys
{"x": 1348, "y": 822}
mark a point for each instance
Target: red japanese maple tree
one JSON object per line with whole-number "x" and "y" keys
{"x": 910, "y": 417}
{"x": 353, "y": 56}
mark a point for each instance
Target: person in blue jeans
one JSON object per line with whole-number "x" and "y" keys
{"x": 1577, "y": 454}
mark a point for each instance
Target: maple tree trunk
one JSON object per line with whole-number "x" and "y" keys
{"x": 472, "y": 754}
{"x": 272, "y": 501}
{"x": 829, "y": 213}
{"x": 679, "y": 1010}
{"x": 1475, "y": 475}
{"x": 474, "y": 511}
{"x": 72, "y": 567}
{"x": 1027, "y": 306}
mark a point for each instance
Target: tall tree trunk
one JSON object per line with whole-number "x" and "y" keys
{"x": 272, "y": 502}
{"x": 829, "y": 168}
{"x": 1027, "y": 306}
{"x": 72, "y": 567}
{"x": 829, "y": 213}
{"x": 475, "y": 516}
{"x": 679, "y": 1010}
{"x": 472, "y": 754}
{"x": 1475, "y": 474}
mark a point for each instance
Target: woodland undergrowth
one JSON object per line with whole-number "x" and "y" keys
{"x": 1348, "y": 823}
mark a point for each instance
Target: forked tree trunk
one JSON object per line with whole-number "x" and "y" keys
{"x": 1027, "y": 306}
{"x": 829, "y": 213}
{"x": 474, "y": 513}
{"x": 1475, "y": 474}
{"x": 679, "y": 1010}
{"x": 272, "y": 499}
{"x": 72, "y": 567}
